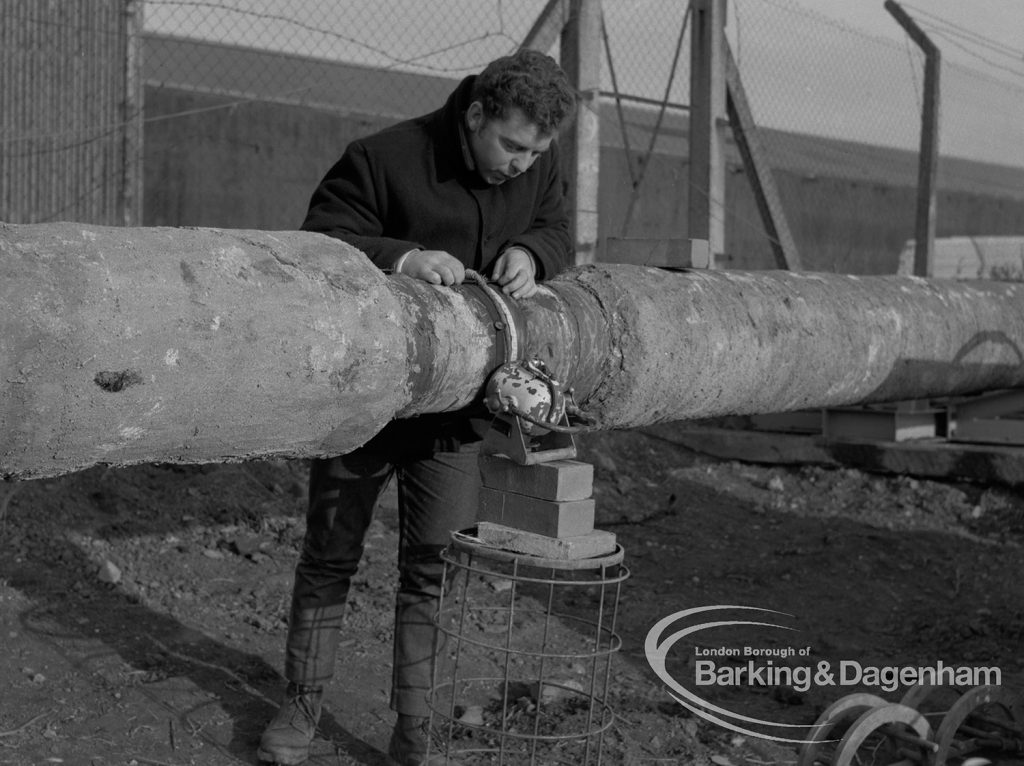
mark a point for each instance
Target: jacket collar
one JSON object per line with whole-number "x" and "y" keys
{"x": 452, "y": 157}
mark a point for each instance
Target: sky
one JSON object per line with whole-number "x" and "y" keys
{"x": 1001, "y": 21}
{"x": 838, "y": 68}
{"x": 858, "y": 50}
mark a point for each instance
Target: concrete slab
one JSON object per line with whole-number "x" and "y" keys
{"x": 597, "y": 542}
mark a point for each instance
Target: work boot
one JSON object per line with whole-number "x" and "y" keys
{"x": 287, "y": 738}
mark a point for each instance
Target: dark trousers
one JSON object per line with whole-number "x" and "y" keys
{"x": 438, "y": 487}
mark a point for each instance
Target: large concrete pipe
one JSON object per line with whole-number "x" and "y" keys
{"x": 121, "y": 346}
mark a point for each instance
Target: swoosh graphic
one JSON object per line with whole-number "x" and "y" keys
{"x": 656, "y": 649}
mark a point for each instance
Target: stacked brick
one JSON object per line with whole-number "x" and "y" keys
{"x": 544, "y": 509}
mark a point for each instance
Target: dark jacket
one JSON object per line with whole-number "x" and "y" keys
{"x": 409, "y": 187}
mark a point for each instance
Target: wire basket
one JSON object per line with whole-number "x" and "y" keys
{"x": 524, "y": 653}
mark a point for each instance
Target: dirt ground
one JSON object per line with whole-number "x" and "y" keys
{"x": 142, "y": 610}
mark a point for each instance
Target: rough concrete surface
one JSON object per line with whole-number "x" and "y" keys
{"x": 124, "y": 346}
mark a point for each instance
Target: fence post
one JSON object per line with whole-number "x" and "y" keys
{"x": 707, "y": 125}
{"x": 769, "y": 205}
{"x": 132, "y": 178}
{"x": 581, "y": 148}
{"x": 928, "y": 159}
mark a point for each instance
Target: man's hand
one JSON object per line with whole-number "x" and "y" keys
{"x": 434, "y": 266}
{"x": 515, "y": 271}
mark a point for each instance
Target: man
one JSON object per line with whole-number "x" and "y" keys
{"x": 476, "y": 185}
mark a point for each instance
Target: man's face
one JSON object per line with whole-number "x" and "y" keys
{"x": 504, "y": 148}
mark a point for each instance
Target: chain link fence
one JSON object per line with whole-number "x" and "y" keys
{"x": 848, "y": 107}
{"x": 447, "y": 40}
{"x": 867, "y": 89}
{"x": 70, "y": 111}
{"x": 851, "y": 110}
{"x": 861, "y": 88}
{"x": 439, "y": 40}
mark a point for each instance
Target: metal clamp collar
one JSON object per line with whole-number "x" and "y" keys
{"x": 501, "y": 316}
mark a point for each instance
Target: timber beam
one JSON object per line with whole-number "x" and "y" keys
{"x": 140, "y": 345}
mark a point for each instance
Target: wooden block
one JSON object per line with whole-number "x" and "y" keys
{"x": 555, "y": 480}
{"x": 997, "y": 404}
{"x": 597, "y": 542}
{"x": 879, "y": 425}
{"x": 554, "y": 518}
{"x": 989, "y": 431}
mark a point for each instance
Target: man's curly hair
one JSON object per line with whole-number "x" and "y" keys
{"x": 531, "y": 81}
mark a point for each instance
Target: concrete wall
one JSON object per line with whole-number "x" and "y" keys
{"x": 250, "y": 165}
{"x": 253, "y": 164}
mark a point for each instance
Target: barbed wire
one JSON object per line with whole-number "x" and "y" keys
{"x": 820, "y": 18}
{"x": 956, "y": 44}
{"x": 824, "y": 20}
{"x": 63, "y": 24}
{"x": 643, "y": 73}
{"x": 318, "y": 29}
{"x": 100, "y": 133}
{"x": 499, "y": 33}
{"x": 960, "y": 31}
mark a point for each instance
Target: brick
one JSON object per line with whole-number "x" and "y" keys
{"x": 554, "y": 518}
{"x": 555, "y": 480}
{"x": 597, "y": 542}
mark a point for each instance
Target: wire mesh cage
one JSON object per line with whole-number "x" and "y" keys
{"x": 524, "y": 656}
